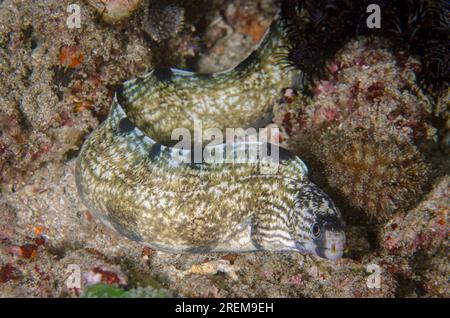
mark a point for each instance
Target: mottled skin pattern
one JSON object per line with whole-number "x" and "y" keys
{"x": 165, "y": 99}
{"x": 128, "y": 176}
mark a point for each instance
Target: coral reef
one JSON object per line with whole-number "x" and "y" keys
{"x": 366, "y": 84}
{"x": 419, "y": 240}
{"x": 362, "y": 128}
{"x": 57, "y": 84}
{"x": 424, "y": 228}
{"x": 421, "y": 28}
{"x": 377, "y": 177}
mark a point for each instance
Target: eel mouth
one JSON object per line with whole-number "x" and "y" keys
{"x": 330, "y": 246}
{"x": 332, "y": 253}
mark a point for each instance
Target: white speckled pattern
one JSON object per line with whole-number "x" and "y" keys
{"x": 130, "y": 177}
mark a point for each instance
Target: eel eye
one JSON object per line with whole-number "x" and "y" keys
{"x": 316, "y": 229}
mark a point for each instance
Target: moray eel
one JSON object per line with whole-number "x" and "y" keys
{"x": 132, "y": 178}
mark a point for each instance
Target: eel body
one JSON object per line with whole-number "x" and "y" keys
{"x": 135, "y": 180}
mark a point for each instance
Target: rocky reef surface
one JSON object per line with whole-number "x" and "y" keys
{"x": 56, "y": 86}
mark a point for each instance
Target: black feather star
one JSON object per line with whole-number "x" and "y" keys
{"x": 317, "y": 29}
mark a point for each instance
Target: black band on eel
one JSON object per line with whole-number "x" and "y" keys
{"x": 134, "y": 181}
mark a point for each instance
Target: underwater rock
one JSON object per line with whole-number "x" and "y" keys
{"x": 104, "y": 275}
{"x": 113, "y": 11}
{"x": 365, "y": 83}
{"x": 434, "y": 273}
{"x": 376, "y": 177}
{"x": 163, "y": 20}
{"x": 424, "y": 228}
{"x": 419, "y": 27}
